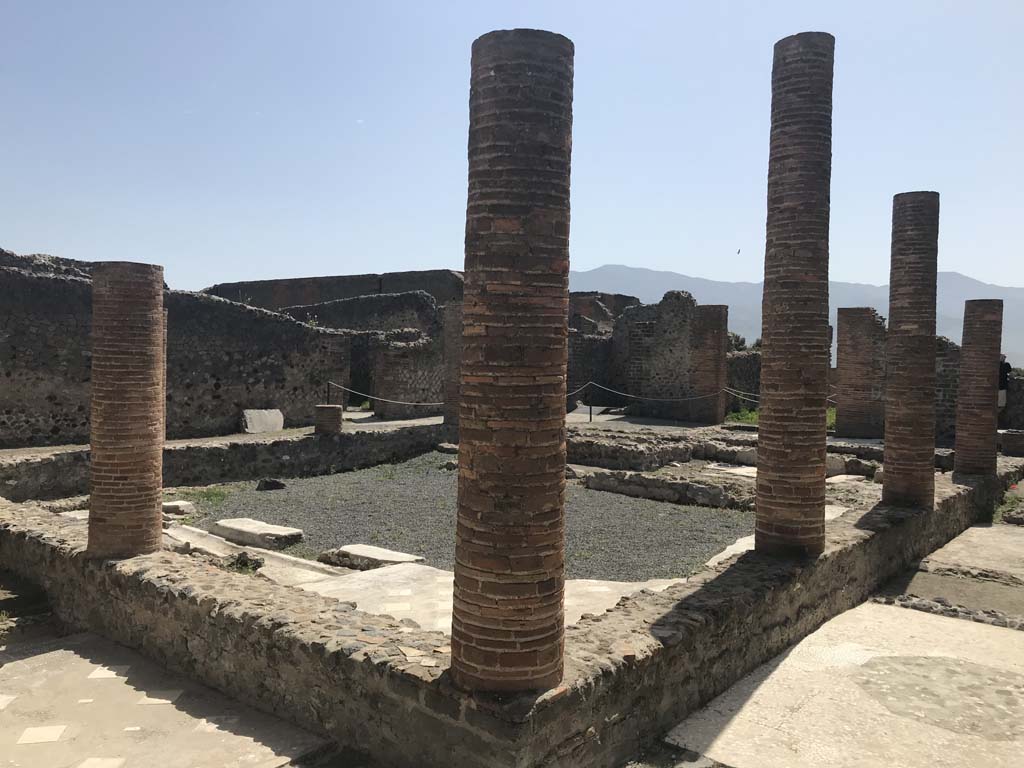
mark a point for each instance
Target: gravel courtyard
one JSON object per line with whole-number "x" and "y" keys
{"x": 410, "y": 507}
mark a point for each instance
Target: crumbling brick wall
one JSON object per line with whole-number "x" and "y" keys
{"x": 409, "y": 371}
{"x": 947, "y": 383}
{"x": 376, "y": 312}
{"x": 222, "y": 357}
{"x": 653, "y": 356}
{"x": 443, "y": 284}
{"x": 600, "y": 308}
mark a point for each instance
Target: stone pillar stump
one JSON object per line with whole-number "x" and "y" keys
{"x": 977, "y": 401}
{"x": 127, "y": 432}
{"x": 795, "y": 355}
{"x": 507, "y": 626}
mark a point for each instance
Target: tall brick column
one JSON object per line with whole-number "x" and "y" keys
{"x": 909, "y": 459}
{"x": 507, "y": 627}
{"x": 127, "y": 433}
{"x": 860, "y": 390}
{"x": 977, "y": 403}
{"x": 452, "y": 329}
{"x": 709, "y": 372}
{"x": 795, "y": 355}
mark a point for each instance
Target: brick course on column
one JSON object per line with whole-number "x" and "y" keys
{"x": 127, "y": 427}
{"x": 977, "y": 401}
{"x": 507, "y": 626}
{"x": 795, "y": 352}
{"x": 452, "y": 329}
{"x": 860, "y": 389}
{"x": 909, "y": 478}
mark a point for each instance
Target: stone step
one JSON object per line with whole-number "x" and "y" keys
{"x": 256, "y": 533}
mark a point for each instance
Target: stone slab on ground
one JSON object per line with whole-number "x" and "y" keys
{"x": 424, "y": 594}
{"x": 257, "y": 421}
{"x": 875, "y": 686}
{"x": 996, "y": 550}
{"x": 953, "y": 592}
{"x": 364, "y": 557}
{"x": 245, "y": 530}
{"x": 179, "y": 508}
{"x": 81, "y": 700}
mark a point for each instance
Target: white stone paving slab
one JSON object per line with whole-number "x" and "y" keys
{"x": 997, "y": 548}
{"x": 363, "y": 557}
{"x": 424, "y": 594}
{"x": 877, "y": 686}
{"x": 257, "y": 421}
{"x": 256, "y": 533}
{"x": 47, "y": 725}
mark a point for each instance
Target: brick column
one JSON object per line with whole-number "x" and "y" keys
{"x": 127, "y": 433}
{"x": 977, "y": 402}
{"x": 860, "y": 390}
{"x": 795, "y": 355}
{"x": 507, "y": 627}
{"x": 709, "y": 373}
{"x": 452, "y": 328}
{"x": 909, "y": 460}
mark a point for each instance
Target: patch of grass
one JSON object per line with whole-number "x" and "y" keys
{"x": 1012, "y": 501}
{"x": 744, "y": 416}
{"x": 749, "y": 416}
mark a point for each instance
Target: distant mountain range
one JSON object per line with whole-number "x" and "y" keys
{"x": 744, "y": 299}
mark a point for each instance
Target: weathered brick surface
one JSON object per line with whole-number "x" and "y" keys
{"x": 744, "y": 376}
{"x": 979, "y": 385}
{"x": 795, "y": 353}
{"x": 910, "y": 352}
{"x": 409, "y": 372}
{"x": 507, "y": 631}
{"x": 672, "y": 357}
{"x": 329, "y": 419}
{"x": 947, "y": 384}
{"x": 860, "y": 389}
{"x": 127, "y": 437}
{"x": 452, "y": 322}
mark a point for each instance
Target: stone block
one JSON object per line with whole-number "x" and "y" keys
{"x": 256, "y": 421}
{"x": 270, "y": 484}
{"x": 245, "y": 530}
{"x": 329, "y": 419}
{"x": 364, "y": 557}
{"x": 451, "y": 448}
{"x": 179, "y": 508}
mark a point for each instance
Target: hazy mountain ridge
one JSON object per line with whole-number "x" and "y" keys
{"x": 744, "y": 298}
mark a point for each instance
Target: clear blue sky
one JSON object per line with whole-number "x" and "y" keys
{"x": 255, "y": 139}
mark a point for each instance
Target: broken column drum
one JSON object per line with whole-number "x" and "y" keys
{"x": 127, "y": 418}
{"x": 860, "y": 365}
{"x": 909, "y": 458}
{"x": 795, "y": 332}
{"x": 507, "y": 625}
{"x": 977, "y": 402}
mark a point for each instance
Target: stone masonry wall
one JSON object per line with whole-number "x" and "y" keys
{"x": 379, "y": 312}
{"x": 222, "y": 357}
{"x": 60, "y": 473}
{"x": 409, "y": 371}
{"x": 947, "y": 385}
{"x": 443, "y": 284}
{"x": 653, "y": 356}
{"x": 590, "y": 360}
{"x": 1012, "y": 417}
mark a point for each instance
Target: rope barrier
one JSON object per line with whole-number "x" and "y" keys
{"x": 655, "y": 399}
{"x": 380, "y": 399}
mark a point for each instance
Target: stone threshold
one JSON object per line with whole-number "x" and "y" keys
{"x": 382, "y": 686}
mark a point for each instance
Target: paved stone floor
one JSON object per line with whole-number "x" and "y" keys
{"x": 876, "y": 686}
{"x": 84, "y": 702}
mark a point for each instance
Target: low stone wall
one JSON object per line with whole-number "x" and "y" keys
{"x": 370, "y": 682}
{"x": 676, "y": 490}
{"x": 64, "y": 473}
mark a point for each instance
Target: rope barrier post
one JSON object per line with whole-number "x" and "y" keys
{"x": 591, "y": 406}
